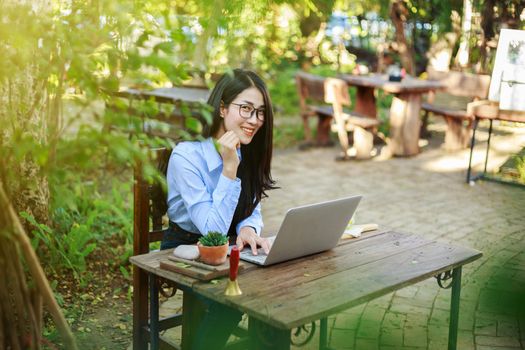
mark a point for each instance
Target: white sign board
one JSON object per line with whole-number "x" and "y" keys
{"x": 508, "y": 76}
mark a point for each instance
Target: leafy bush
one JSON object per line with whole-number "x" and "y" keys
{"x": 283, "y": 91}
{"x": 520, "y": 167}
{"x": 64, "y": 251}
{"x": 213, "y": 239}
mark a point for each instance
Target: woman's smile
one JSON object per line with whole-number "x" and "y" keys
{"x": 248, "y": 131}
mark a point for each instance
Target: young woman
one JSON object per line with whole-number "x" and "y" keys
{"x": 217, "y": 184}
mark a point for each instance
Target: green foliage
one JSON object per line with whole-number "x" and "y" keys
{"x": 213, "y": 239}
{"x": 520, "y": 167}
{"x": 86, "y": 213}
{"x": 67, "y": 251}
{"x": 288, "y": 131}
{"x": 283, "y": 91}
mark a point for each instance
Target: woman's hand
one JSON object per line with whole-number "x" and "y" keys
{"x": 247, "y": 236}
{"x": 229, "y": 142}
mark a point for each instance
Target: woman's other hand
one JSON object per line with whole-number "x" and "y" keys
{"x": 247, "y": 236}
{"x": 229, "y": 142}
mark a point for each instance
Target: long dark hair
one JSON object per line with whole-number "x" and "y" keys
{"x": 254, "y": 169}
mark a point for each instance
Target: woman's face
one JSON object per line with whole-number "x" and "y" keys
{"x": 245, "y": 114}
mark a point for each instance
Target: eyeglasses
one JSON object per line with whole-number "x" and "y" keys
{"x": 246, "y": 111}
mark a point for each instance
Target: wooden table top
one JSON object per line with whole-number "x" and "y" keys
{"x": 303, "y": 290}
{"x": 407, "y": 85}
{"x": 169, "y": 95}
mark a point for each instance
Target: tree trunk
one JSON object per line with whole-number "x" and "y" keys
{"x": 23, "y": 109}
{"x": 399, "y": 14}
{"x": 200, "y": 58}
{"x": 20, "y": 309}
{"x": 487, "y": 25}
{"x": 462, "y": 57}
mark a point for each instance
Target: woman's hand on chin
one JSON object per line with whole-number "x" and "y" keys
{"x": 229, "y": 142}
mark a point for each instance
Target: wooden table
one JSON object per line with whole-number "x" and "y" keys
{"x": 294, "y": 293}
{"x": 169, "y": 95}
{"x": 488, "y": 110}
{"x": 405, "y": 123}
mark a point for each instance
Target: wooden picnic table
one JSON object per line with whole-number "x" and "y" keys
{"x": 405, "y": 122}
{"x": 169, "y": 95}
{"x": 281, "y": 297}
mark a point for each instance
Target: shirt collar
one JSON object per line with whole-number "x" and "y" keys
{"x": 212, "y": 157}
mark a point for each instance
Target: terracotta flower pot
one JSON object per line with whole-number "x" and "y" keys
{"x": 213, "y": 255}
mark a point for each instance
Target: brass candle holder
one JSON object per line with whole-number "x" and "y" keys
{"x": 232, "y": 288}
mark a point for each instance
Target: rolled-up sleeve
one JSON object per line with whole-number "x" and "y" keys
{"x": 254, "y": 220}
{"x": 208, "y": 211}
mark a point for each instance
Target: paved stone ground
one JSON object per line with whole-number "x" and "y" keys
{"x": 425, "y": 195}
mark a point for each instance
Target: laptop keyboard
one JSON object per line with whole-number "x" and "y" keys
{"x": 260, "y": 258}
{"x": 247, "y": 255}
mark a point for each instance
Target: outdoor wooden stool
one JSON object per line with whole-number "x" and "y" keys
{"x": 455, "y": 104}
{"x": 332, "y": 94}
{"x": 310, "y": 89}
{"x": 362, "y": 127}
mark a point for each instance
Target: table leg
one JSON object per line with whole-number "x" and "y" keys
{"x": 472, "y": 142}
{"x": 454, "y": 309}
{"x": 193, "y": 310}
{"x": 366, "y": 101}
{"x": 153, "y": 311}
{"x": 405, "y": 124}
{"x": 323, "y": 334}
{"x": 265, "y": 336}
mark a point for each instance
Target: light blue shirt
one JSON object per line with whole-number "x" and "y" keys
{"x": 200, "y": 198}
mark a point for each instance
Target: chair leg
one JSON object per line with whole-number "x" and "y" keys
{"x": 472, "y": 142}
{"x": 424, "y": 133}
{"x": 488, "y": 147}
{"x": 140, "y": 308}
{"x": 323, "y": 130}
{"x": 306, "y": 128}
{"x": 342, "y": 135}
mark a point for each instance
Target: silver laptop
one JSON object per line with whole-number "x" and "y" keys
{"x": 307, "y": 230}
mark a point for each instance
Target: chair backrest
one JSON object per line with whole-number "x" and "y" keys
{"x": 149, "y": 205}
{"x": 336, "y": 93}
{"x": 474, "y": 86}
{"x": 311, "y": 87}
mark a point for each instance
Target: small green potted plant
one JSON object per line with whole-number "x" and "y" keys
{"x": 213, "y": 248}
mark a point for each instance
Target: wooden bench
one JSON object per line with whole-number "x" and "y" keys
{"x": 455, "y": 104}
{"x": 326, "y": 99}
